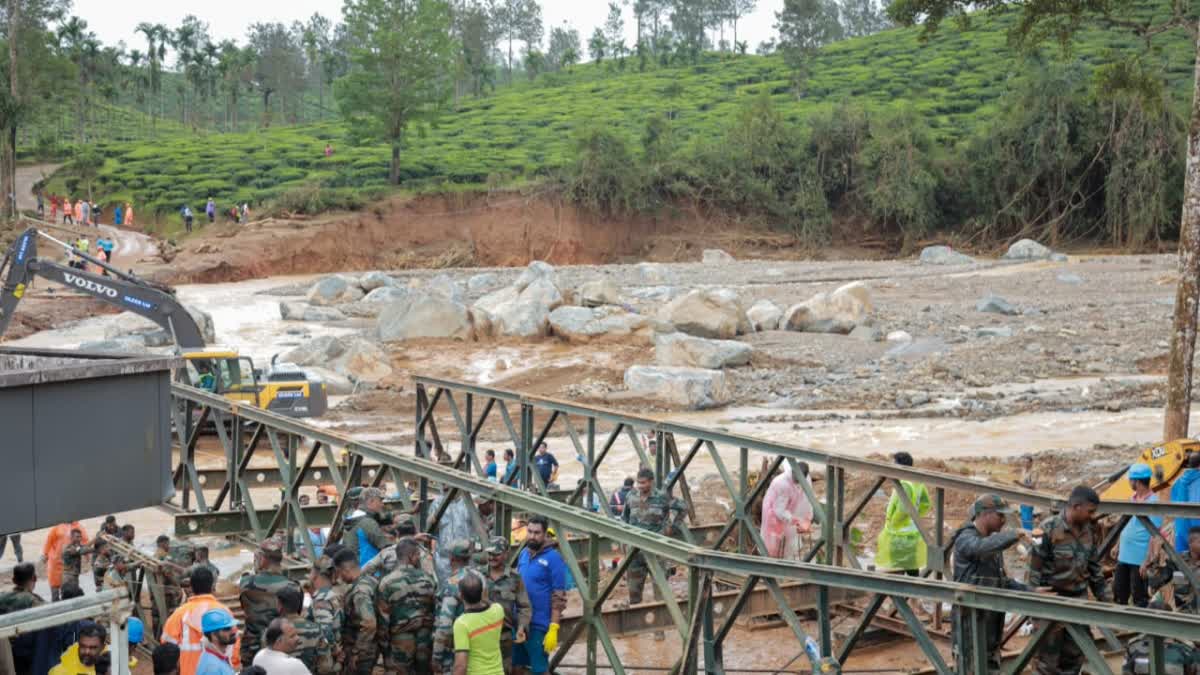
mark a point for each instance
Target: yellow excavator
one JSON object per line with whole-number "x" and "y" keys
{"x": 283, "y": 388}
{"x": 1166, "y": 462}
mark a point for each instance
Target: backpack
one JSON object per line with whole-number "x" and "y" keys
{"x": 1181, "y": 658}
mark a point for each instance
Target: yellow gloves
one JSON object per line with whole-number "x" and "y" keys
{"x": 550, "y": 643}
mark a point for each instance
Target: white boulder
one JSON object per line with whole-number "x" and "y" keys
{"x": 1027, "y": 249}
{"x": 838, "y": 311}
{"x": 707, "y": 313}
{"x": 334, "y": 289}
{"x": 373, "y": 280}
{"x": 692, "y": 388}
{"x": 599, "y": 292}
{"x": 443, "y": 285}
{"x": 581, "y": 324}
{"x": 653, "y": 273}
{"x": 481, "y": 283}
{"x": 424, "y": 315}
{"x": 764, "y": 315}
{"x": 944, "y": 255}
{"x": 680, "y": 349}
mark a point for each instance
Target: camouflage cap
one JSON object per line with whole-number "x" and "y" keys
{"x": 990, "y": 502}
{"x": 403, "y": 519}
{"x": 354, "y": 493}
{"x": 371, "y": 493}
{"x": 497, "y": 545}
{"x": 461, "y": 548}
{"x": 324, "y": 566}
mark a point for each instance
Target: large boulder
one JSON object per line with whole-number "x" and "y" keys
{"x": 424, "y": 315}
{"x": 1027, "y": 249}
{"x": 443, "y": 285}
{"x": 363, "y": 361}
{"x": 298, "y": 311}
{"x": 692, "y": 388}
{"x": 317, "y": 351}
{"x": 994, "y": 304}
{"x": 334, "y": 289}
{"x": 715, "y": 255}
{"x": 482, "y": 283}
{"x": 537, "y": 270}
{"x": 373, "y": 280}
{"x": 944, "y": 255}
{"x": 599, "y": 292}
{"x": 336, "y": 384}
{"x": 838, "y": 311}
{"x": 764, "y": 315}
{"x": 706, "y": 313}
{"x": 680, "y": 349}
{"x": 581, "y": 324}
{"x": 523, "y": 309}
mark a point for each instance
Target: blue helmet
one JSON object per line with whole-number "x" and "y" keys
{"x": 215, "y": 620}
{"x": 136, "y": 630}
{"x": 1140, "y": 471}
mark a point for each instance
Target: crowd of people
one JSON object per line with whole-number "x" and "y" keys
{"x": 235, "y": 214}
{"x": 81, "y": 211}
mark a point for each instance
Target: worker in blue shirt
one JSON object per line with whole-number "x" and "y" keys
{"x": 546, "y": 464}
{"x": 489, "y": 467}
{"x": 545, "y": 576}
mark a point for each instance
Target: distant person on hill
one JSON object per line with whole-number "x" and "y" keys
{"x": 118, "y": 215}
{"x": 245, "y": 212}
{"x": 129, "y": 214}
{"x": 53, "y": 207}
{"x": 41, "y": 205}
{"x": 328, "y": 150}
{"x": 186, "y": 212}
{"x": 84, "y": 213}
{"x": 210, "y": 209}
{"x": 68, "y": 212}
{"x": 97, "y": 212}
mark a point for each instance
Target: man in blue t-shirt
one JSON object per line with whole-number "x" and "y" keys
{"x": 546, "y": 464}
{"x": 489, "y": 465}
{"x": 545, "y": 576}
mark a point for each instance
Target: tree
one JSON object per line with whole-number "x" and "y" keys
{"x": 689, "y": 20}
{"x": 614, "y": 30}
{"x": 518, "y": 20}
{"x": 316, "y": 50}
{"x": 736, "y": 10}
{"x": 278, "y": 64}
{"x": 862, "y": 17}
{"x": 473, "y": 26}
{"x": 156, "y": 50}
{"x": 564, "y": 48}
{"x": 86, "y": 166}
{"x": 234, "y": 64}
{"x": 401, "y": 57}
{"x": 597, "y": 45}
{"x": 804, "y": 27}
{"x": 1038, "y": 21}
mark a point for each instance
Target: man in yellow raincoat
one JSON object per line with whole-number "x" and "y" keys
{"x": 900, "y": 546}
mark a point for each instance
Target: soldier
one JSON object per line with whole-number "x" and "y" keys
{"x": 257, "y": 596}
{"x": 361, "y": 623}
{"x": 312, "y": 647}
{"x": 407, "y": 601}
{"x": 172, "y": 586}
{"x": 202, "y": 561}
{"x": 22, "y": 595}
{"x": 1183, "y": 596}
{"x": 127, "y": 534}
{"x": 651, "y": 510}
{"x": 450, "y": 607}
{"x": 1066, "y": 563}
{"x": 506, "y": 589}
{"x": 385, "y": 562}
{"x": 72, "y": 558}
{"x": 118, "y": 575}
{"x": 979, "y": 559}
{"x": 326, "y": 607}
{"x": 101, "y": 561}
{"x": 364, "y": 535}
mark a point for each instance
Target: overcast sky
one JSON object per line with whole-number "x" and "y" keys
{"x": 114, "y": 20}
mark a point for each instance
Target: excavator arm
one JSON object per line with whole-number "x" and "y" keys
{"x": 121, "y": 290}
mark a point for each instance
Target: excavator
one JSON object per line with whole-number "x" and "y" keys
{"x": 284, "y": 388}
{"x": 1166, "y": 462}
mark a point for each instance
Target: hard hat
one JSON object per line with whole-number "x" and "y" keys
{"x": 1140, "y": 471}
{"x": 136, "y": 629}
{"x": 215, "y": 620}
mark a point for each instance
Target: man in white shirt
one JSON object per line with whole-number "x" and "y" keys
{"x": 280, "y": 639}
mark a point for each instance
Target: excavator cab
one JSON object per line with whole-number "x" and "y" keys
{"x": 1166, "y": 462}
{"x": 224, "y": 373}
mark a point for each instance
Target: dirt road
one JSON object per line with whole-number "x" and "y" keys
{"x": 26, "y": 177}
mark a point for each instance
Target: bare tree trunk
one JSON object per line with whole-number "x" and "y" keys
{"x": 394, "y": 173}
{"x": 10, "y": 149}
{"x": 1183, "y": 332}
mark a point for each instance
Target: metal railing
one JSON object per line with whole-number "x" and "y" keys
{"x": 470, "y": 413}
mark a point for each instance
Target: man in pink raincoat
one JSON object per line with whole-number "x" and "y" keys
{"x": 786, "y": 514}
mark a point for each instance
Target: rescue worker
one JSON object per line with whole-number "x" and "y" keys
{"x": 326, "y": 607}
{"x": 72, "y": 559}
{"x": 652, "y": 510}
{"x": 787, "y": 514}
{"x": 56, "y": 540}
{"x": 406, "y": 604}
{"x": 1067, "y": 562}
{"x": 22, "y": 595}
{"x": 449, "y": 606}
{"x": 385, "y": 562}
{"x": 257, "y": 596}
{"x": 506, "y": 588}
{"x": 118, "y": 575}
{"x": 1134, "y": 548}
{"x": 102, "y": 556}
{"x": 81, "y": 657}
{"x": 172, "y": 586}
{"x": 220, "y": 634}
{"x": 979, "y": 548}
{"x": 900, "y": 545}
{"x": 360, "y": 622}
{"x": 544, "y": 574}
{"x": 312, "y": 647}
{"x": 183, "y": 628}
{"x": 364, "y": 535}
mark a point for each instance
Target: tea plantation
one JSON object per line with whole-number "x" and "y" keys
{"x": 524, "y": 132}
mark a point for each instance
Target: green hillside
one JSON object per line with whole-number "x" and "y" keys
{"x": 954, "y": 82}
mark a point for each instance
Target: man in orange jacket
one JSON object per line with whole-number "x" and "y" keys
{"x": 56, "y": 540}
{"x": 183, "y": 628}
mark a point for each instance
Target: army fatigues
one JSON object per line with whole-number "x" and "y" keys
{"x": 979, "y": 560}
{"x": 407, "y": 601}
{"x": 172, "y": 589}
{"x": 360, "y": 626}
{"x": 449, "y": 608}
{"x": 1183, "y": 597}
{"x": 187, "y": 575}
{"x": 653, "y": 513}
{"x": 371, "y": 531}
{"x": 257, "y": 598}
{"x": 313, "y": 647}
{"x": 17, "y": 600}
{"x": 72, "y": 559}
{"x": 326, "y": 612}
{"x": 508, "y": 591}
{"x": 386, "y": 562}
{"x": 1068, "y": 563}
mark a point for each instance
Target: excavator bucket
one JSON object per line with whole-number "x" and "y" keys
{"x": 1166, "y": 461}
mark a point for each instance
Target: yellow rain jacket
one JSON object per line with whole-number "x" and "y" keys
{"x": 900, "y": 546}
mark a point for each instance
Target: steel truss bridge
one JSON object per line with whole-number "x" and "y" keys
{"x": 452, "y": 419}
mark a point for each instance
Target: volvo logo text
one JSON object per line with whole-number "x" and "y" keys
{"x": 89, "y": 285}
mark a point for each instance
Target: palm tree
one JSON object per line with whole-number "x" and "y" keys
{"x": 156, "y": 41}
{"x": 72, "y": 41}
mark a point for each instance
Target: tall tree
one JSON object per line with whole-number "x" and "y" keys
{"x": 316, "y": 49}
{"x": 862, "y": 17}
{"x": 614, "y": 30}
{"x": 804, "y": 27}
{"x": 564, "y": 48}
{"x": 689, "y": 20}
{"x": 402, "y": 54}
{"x": 598, "y": 45}
{"x": 1038, "y": 21}
{"x": 156, "y": 35}
{"x": 234, "y": 65}
{"x": 737, "y": 9}
{"x": 476, "y": 33}
{"x": 515, "y": 21}
{"x": 278, "y": 65}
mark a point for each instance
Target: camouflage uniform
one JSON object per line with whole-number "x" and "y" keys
{"x": 1069, "y": 564}
{"x": 313, "y": 647}
{"x": 449, "y": 608}
{"x": 360, "y": 627}
{"x": 17, "y": 600}
{"x": 114, "y": 579}
{"x": 386, "y": 562}
{"x": 372, "y": 532}
{"x": 72, "y": 559}
{"x": 508, "y": 591}
{"x": 406, "y": 602}
{"x": 326, "y": 612}
{"x": 257, "y": 598}
{"x": 653, "y": 513}
{"x": 101, "y": 561}
{"x": 172, "y": 587}
{"x": 187, "y": 575}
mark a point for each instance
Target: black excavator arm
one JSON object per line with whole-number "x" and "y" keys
{"x": 123, "y": 290}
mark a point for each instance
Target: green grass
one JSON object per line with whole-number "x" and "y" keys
{"x": 523, "y": 132}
